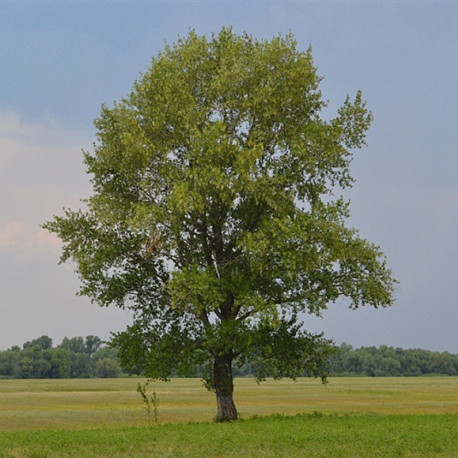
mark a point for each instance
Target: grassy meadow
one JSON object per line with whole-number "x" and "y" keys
{"x": 346, "y": 417}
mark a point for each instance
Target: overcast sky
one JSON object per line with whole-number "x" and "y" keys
{"x": 59, "y": 61}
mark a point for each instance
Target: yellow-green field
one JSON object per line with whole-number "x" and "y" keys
{"x": 108, "y": 403}
{"x": 349, "y": 417}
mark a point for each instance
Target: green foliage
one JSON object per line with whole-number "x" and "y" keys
{"x": 73, "y": 358}
{"x": 81, "y": 366}
{"x": 107, "y": 368}
{"x": 43, "y": 343}
{"x": 389, "y": 361}
{"x": 34, "y": 361}
{"x": 93, "y": 344}
{"x": 215, "y": 215}
{"x": 286, "y": 351}
{"x": 8, "y": 361}
{"x": 75, "y": 344}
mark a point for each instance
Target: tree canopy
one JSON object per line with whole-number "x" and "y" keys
{"x": 216, "y": 214}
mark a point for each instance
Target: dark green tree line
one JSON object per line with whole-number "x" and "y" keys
{"x": 74, "y": 358}
{"x": 80, "y": 358}
{"x": 387, "y": 361}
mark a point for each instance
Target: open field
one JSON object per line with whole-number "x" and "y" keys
{"x": 94, "y": 403}
{"x": 358, "y": 417}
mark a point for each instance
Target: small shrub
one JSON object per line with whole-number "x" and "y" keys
{"x": 151, "y": 403}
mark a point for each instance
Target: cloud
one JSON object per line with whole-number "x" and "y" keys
{"x": 17, "y": 236}
{"x": 39, "y": 152}
{"x": 11, "y": 235}
{"x": 41, "y": 171}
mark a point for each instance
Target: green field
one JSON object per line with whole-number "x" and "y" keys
{"x": 357, "y": 417}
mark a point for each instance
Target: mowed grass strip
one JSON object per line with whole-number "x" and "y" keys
{"x": 314, "y": 435}
{"x": 27, "y": 405}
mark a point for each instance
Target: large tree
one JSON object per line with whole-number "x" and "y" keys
{"x": 216, "y": 216}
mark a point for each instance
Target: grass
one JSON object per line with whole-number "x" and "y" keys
{"x": 358, "y": 417}
{"x": 301, "y": 435}
{"x": 93, "y": 403}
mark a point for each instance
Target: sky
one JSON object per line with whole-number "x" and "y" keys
{"x": 60, "y": 61}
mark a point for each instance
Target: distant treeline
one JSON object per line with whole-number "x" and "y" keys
{"x": 75, "y": 357}
{"x": 79, "y": 357}
{"x": 383, "y": 361}
{"x": 390, "y": 362}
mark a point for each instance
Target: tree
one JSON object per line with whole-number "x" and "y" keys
{"x": 81, "y": 365}
{"x": 43, "y": 342}
{"x": 74, "y": 344}
{"x": 107, "y": 368}
{"x": 59, "y": 363}
{"x": 93, "y": 343}
{"x": 216, "y": 216}
{"x": 8, "y": 361}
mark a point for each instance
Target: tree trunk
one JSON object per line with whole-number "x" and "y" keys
{"x": 224, "y": 388}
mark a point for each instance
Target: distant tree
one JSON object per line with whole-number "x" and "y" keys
{"x": 389, "y": 361}
{"x": 74, "y": 344}
{"x": 338, "y": 362}
{"x": 106, "y": 352}
{"x": 43, "y": 342}
{"x": 93, "y": 343}
{"x": 441, "y": 363}
{"x": 31, "y": 362}
{"x": 75, "y": 357}
{"x": 81, "y": 365}
{"x": 59, "y": 364}
{"x": 26, "y": 367}
{"x": 216, "y": 215}
{"x": 8, "y": 362}
{"x": 107, "y": 368}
